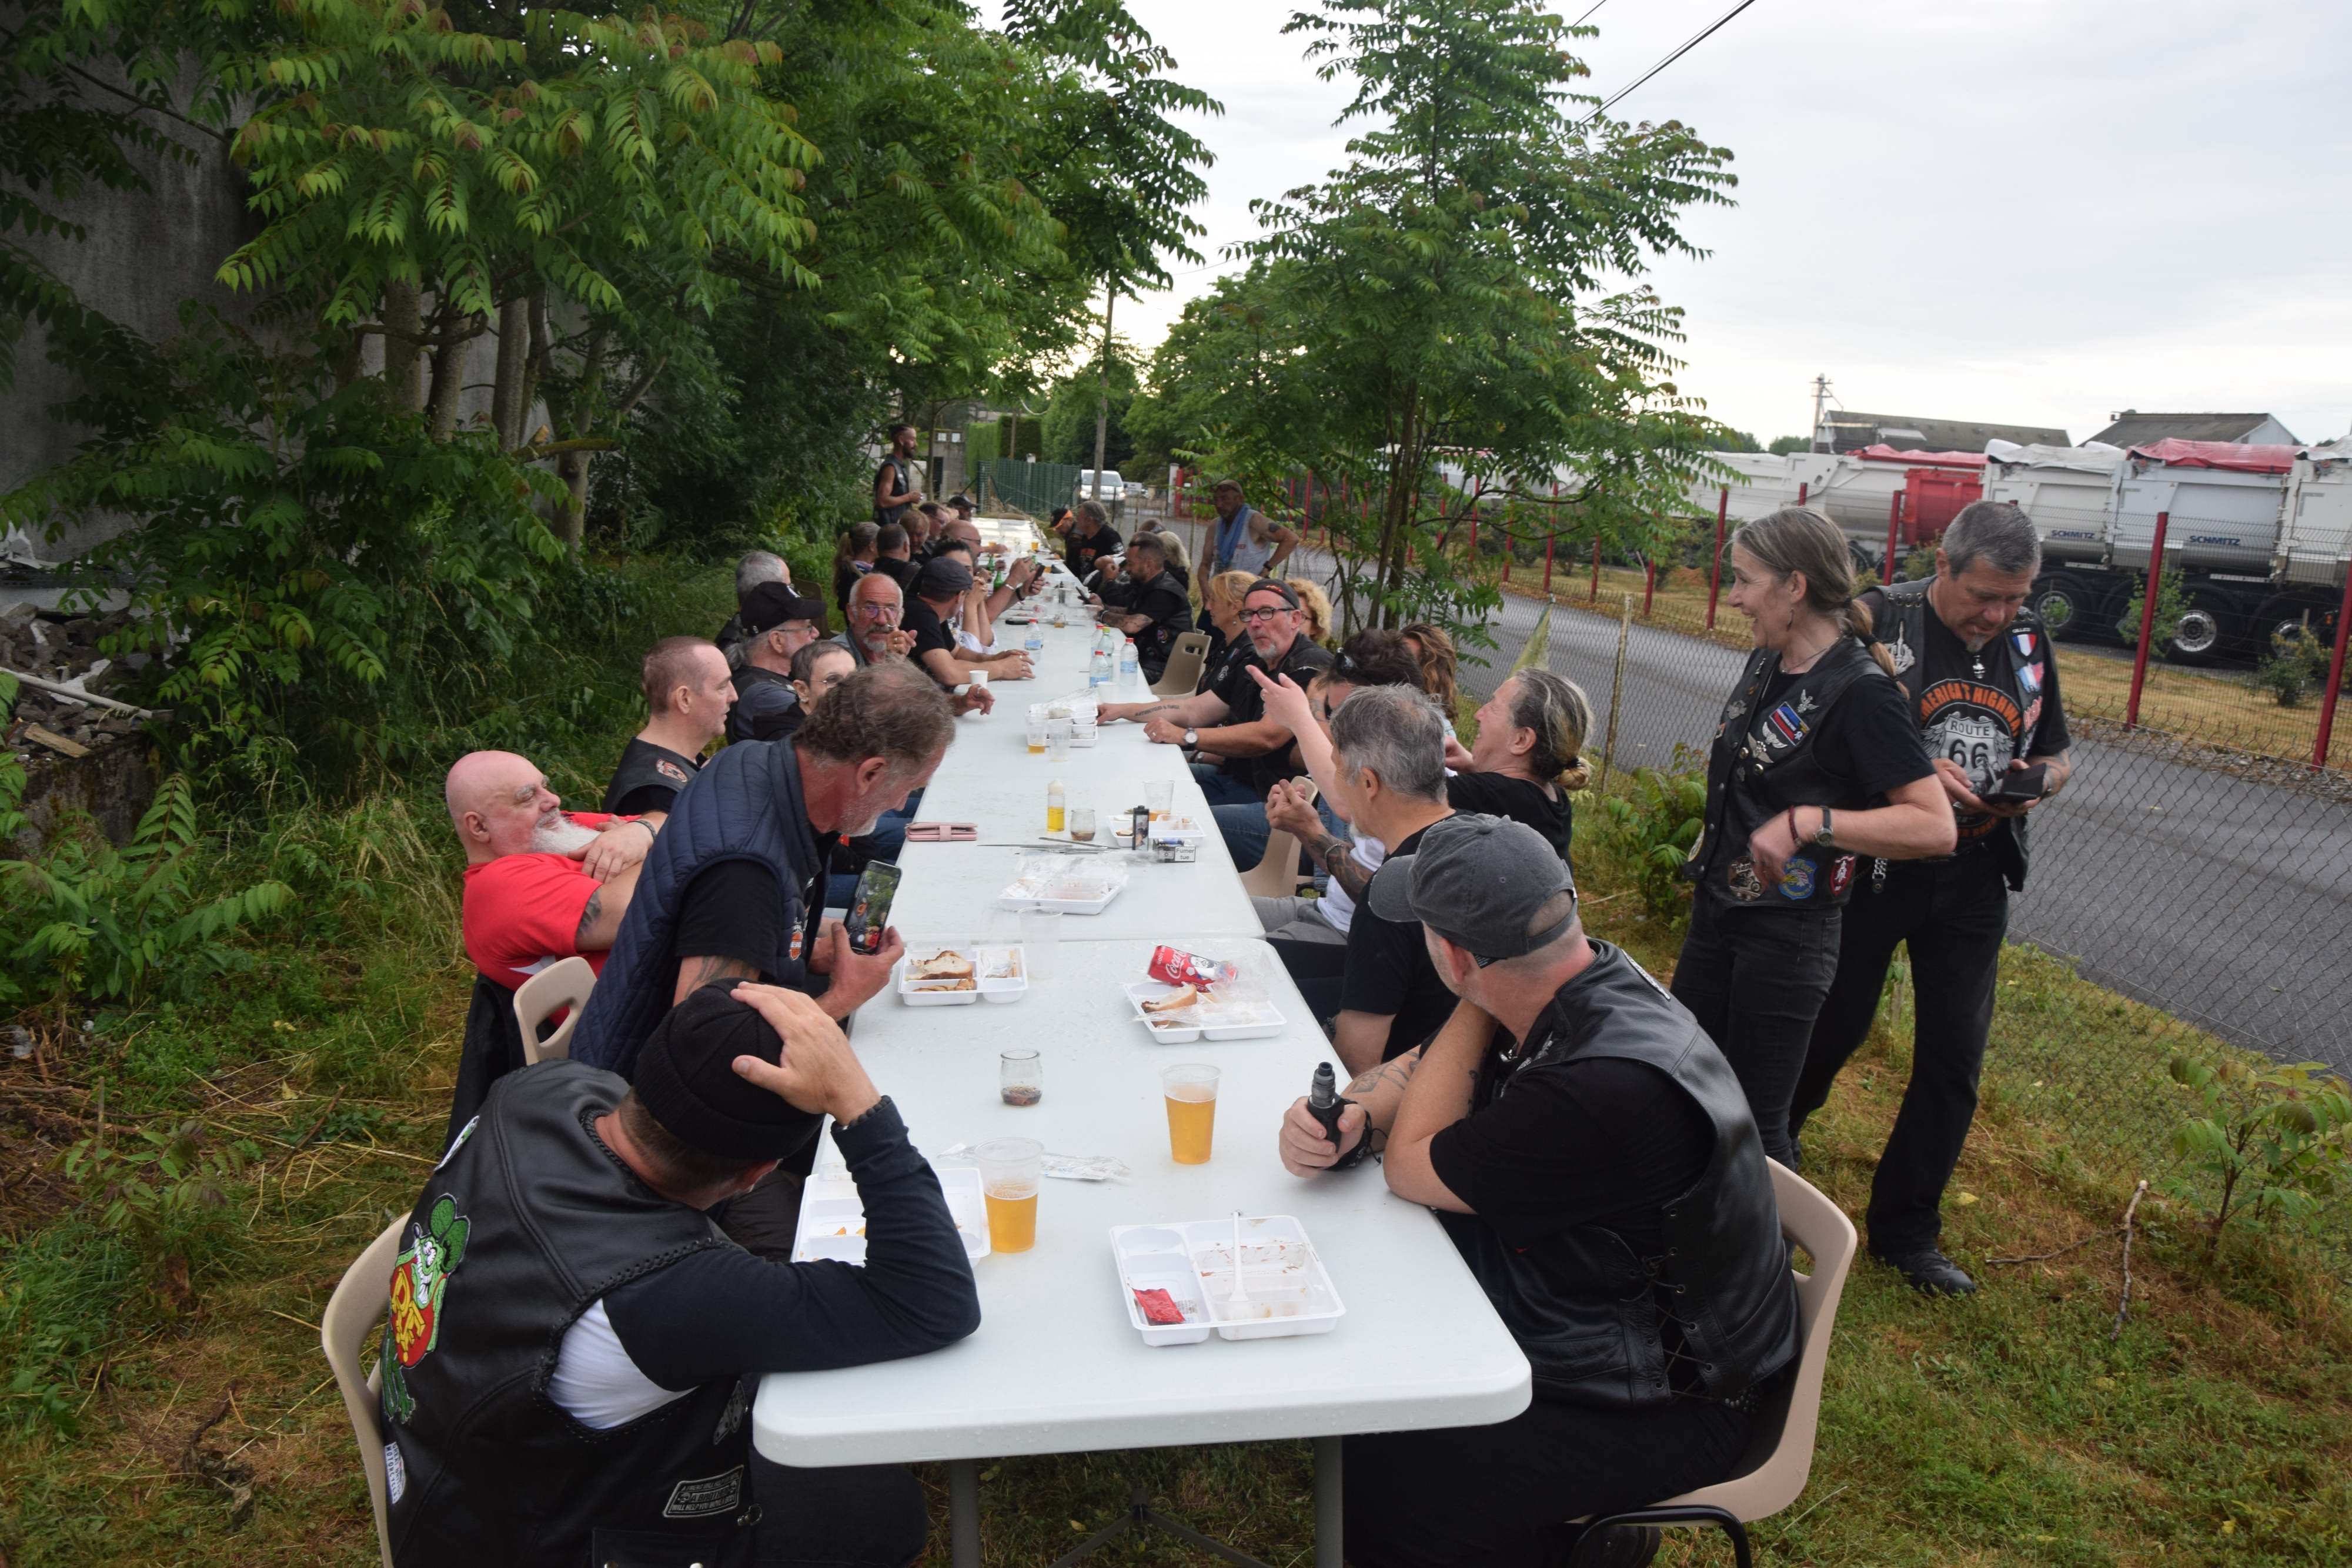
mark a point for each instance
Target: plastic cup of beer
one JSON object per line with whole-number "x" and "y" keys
{"x": 1010, "y": 1172}
{"x": 1191, "y": 1090}
{"x": 1160, "y": 798}
{"x": 1036, "y": 735}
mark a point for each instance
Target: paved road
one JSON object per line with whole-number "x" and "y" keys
{"x": 2224, "y": 901}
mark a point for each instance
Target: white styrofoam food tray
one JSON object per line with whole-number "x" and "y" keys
{"x": 832, "y": 1217}
{"x": 1248, "y": 1017}
{"x": 1002, "y": 971}
{"x": 1073, "y": 889}
{"x": 1290, "y": 1293}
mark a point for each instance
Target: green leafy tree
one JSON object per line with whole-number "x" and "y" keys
{"x": 1457, "y": 267}
{"x": 1787, "y": 445}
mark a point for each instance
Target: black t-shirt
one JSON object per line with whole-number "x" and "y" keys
{"x": 766, "y": 706}
{"x": 1871, "y": 742}
{"x": 1246, "y": 705}
{"x": 1084, "y": 552}
{"x": 930, "y": 629}
{"x": 1606, "y": 1142}
{"x": 1226, "y": 663}
{"x": 1164, "y": 600}
{"x": 647, "y": 778}
{"x": 1521, "y": 799}
{"x": 1968, "y": 718}
{"x": 734, "y": 910}
{"x": 1390, "y": 973}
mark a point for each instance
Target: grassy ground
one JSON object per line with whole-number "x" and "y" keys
{"x": 144, "y": 1423}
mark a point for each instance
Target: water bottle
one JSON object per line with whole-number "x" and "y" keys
{"x": 1098, "y": 669}
{"x": 1033, "y": 644}
{"x": 1130, "y": 664}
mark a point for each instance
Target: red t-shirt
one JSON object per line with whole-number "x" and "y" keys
{"x": 522, "y": 912}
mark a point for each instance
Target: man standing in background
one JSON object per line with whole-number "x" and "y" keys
{"x": 895, "y": 488}
{"x": 1248, "y": 540}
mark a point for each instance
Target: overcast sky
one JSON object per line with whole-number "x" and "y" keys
{"x": 2028, "y": 211}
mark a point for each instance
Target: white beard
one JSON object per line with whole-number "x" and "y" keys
{"x": 558, "y": 834}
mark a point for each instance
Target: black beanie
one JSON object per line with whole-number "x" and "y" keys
{"x": 687, "y": 1078}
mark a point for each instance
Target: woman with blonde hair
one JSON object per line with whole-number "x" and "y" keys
{"x": 1817, "y": 765}
{"x": 1221, "y": 604}
{"x": 1439, "y": 664}
{"x": 1316, "y": 606}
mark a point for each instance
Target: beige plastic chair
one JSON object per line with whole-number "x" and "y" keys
{"x": 1276, "y": 875}
{"x": 1185, "y": 661}
{"x": 352, "y": 1311}
{"x": 537, "y": 999}
{"x": 1780, "y": 1454}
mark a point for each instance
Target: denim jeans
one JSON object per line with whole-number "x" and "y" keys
{"x": 1756, "y": 980}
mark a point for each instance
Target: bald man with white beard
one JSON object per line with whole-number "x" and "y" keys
{"x": 542, "y": 884}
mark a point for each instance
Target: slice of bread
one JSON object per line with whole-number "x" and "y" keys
{"x": 943, "y": 965}
{"x": 1183, "y": 996}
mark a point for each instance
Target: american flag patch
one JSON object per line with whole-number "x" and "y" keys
{"x": 1785, "y": 719}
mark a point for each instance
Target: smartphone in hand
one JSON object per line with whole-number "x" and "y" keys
{"x": 2018, "y": 787}
{"x": 869, "y": 908}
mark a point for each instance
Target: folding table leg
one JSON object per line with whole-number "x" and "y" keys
{"x": 1329, "y": 1544}
{"x": 964, "y": 1514}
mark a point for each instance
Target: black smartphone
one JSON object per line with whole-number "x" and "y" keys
{"x": 870, "y": 907}
{"x": 2018, "y": 787}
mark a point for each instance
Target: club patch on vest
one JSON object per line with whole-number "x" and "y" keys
{"x": 2029, "y": 677}
{"x": 1840, "y": 874}
{"x": 1796, "y": 880}
{"x": 1900, "y": 656}
{"x": 1746, "y": 886}
{"x": 711, "y": 1494}
{"x": 395, "y": 1474}
{"x": 671, "y": 771}
{"x": 2023, "y": 641}
{"x": 1784, "y": 727}
{"x": 420, "y": 1279}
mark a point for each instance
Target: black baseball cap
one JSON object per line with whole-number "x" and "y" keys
{"x": 771, "y": 604}
{"x": 1273, "y": 585}
{"x": 961, "y": 502}
{"x": 1479, "y": 882}
{"x": 943, "y": 576}
{"x": 686, "y": 1076}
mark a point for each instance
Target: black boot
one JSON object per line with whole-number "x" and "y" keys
{"x": 1929, "y": 1272}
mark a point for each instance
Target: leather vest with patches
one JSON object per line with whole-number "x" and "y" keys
{"x": 528, "y": 1221}
{"x": 648, "y": 766}
{"x": 766, "y": 706}
{"x": 1901, "y": 630}
{"x": 1763, "y": 761}
{"x": 1589, "y": 1312}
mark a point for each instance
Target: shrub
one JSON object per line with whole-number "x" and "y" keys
{"x": 2171, "y": 604}
{"x": 2297, "y": 668}
{"x": 2274, "y": 1139}
{"x": 1654, "y": 826}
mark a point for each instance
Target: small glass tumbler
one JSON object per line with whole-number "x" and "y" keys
{"x": 1020, "y": 1077}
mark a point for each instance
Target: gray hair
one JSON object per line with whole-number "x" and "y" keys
{"x": 1998, "y": 533}
{"x": 1396, "y": 732}
{"x": 761, "y": 566}
{"x": 1094, "y": 509}
{"x": 1173, "y": 548}
{"x": 1559, "y": 713}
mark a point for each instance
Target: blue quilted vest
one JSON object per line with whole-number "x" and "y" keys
{"x": 745, "y": 804}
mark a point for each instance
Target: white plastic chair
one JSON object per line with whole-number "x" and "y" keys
{"x": 537, "y": 999}
{"x": 1185, "y": 661}
{"x": 1276, "y": 875}
{"x": 359, "y": 1303}
{"x": 1771, "y": 1475}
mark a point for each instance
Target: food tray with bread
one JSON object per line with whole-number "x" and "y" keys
{"x": 958, "y": 971}
{"x": 1178, "y": 1280}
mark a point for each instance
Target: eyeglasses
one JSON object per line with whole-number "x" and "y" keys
{"x": 874, "y": 610}
{"x": 1263, "y": 616}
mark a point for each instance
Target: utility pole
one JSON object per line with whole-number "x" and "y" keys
{"x": 1102, "y": 408}
{"x": 1821, "y": 396}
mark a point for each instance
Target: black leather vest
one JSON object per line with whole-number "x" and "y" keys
{"x": 766, "y": 706}
{"x": 526, "y": 1223}
{"x": 1903, "y": 630}
{"x": 643, "y": 765}
{"x": 1763, "y": 762}
{"x": 1587, "y": 1311}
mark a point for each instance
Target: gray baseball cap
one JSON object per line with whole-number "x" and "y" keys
{"x": 1479, "y": 882}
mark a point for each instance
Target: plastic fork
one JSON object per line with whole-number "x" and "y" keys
{"x": 1237, "y": 1299}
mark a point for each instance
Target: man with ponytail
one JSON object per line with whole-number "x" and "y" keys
{"x": 1816, "y": 762}
{"x": 1980, "y": 681}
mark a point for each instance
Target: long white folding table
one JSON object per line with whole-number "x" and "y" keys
{"x": 1055, "y": 1366}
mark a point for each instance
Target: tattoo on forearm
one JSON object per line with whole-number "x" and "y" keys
{"x": 589, "y": 917}
{"x": 696, "y": 973}
{"x": 1399, "y": 1072}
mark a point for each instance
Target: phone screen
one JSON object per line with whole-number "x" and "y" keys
{"x": 870, "y": 907}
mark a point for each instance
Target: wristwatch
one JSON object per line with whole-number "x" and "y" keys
{"x": 1191, "y": 739}
{"x": 1823, "y": 837}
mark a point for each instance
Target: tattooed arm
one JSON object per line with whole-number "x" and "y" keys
{"x": 600, "y": 921}
{"x": 1438, "y": 1097}
{"x": 695, "y": 973}
{"x": 1376, "y": 1092}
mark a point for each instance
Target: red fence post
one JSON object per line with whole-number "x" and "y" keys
{"x": 1548, "y": 542}
{"x": 1715, "y": 572}
{"x": 2148, "y": 592}
{"x": 1649, "y": 586}
{"x": 2334, "y": 678}
{"x": 1804, "y": 487}
{"x": 1473, "y": 535}
{"x": 1894, "y": 524}
{"x": 1595, "y": 596}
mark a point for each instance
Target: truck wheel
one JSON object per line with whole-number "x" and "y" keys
{"x": 2063, "y": 603}
{"x": 2204, "y": 632}
{"x": 2283, "y": 615}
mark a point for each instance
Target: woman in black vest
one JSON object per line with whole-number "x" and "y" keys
{"x": 1817, "y": 762}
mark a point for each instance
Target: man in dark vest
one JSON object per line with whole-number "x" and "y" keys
{"x": 1980, "y": 674}
{"x": 777, "y": 624}
{"x": 688, "y": 689}
{"x": 896, "y": 488}
{"x": 573, "y": 1345}
{"x": 733, "y": 888}
{"x": 1594, "y": 1160}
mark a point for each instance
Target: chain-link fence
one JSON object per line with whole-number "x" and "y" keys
{"x": 1022, "y": 486}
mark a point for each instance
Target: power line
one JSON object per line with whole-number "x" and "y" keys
{"x": 1596, "y": 5}
{"x": 1697, "y": 39}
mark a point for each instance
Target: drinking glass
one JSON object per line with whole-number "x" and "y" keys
{"x": 1041, "y": 937}
{"x": 1036, "y": 734}
{"x": 1160, "y": 798}
{"x": 1011, "y": 1170}
{"x": 1082, "y": 825}
{"x": 1057, "y": 738}
{"x": 1191, "y": 1090}
{"x": 1020, "y": 1077}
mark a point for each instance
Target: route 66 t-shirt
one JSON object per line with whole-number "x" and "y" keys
{"x": 1974, "y": 719}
